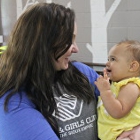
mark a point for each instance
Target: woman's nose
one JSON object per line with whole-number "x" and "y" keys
{"x": 75, "y": 48}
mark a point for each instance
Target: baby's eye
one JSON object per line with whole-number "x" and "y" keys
{"x": 112, "y": 59}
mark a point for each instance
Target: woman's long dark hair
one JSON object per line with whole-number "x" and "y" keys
{"x": 41, "y": 35}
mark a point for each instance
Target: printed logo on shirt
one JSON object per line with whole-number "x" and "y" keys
{"x": 68, "y": 107}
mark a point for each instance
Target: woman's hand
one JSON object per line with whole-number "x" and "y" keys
{"x": 133, "y": 134}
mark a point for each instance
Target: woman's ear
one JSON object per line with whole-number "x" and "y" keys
{"x": 134, "y": 66}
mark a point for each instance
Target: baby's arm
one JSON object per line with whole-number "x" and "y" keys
{"x": 120, "y": 106}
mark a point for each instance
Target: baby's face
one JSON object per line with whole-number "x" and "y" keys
{"x": 118, "y": 64}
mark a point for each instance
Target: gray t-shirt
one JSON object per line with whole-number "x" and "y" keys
{"x": 77, "y": 120}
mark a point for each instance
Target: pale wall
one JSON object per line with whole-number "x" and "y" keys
{"x": 124, "y": 23}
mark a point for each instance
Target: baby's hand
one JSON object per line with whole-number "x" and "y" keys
{"x": 103, "y": 82}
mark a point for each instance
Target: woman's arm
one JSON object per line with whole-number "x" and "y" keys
{"x": 133, "y": 134}
{"x": 23, "y": 121}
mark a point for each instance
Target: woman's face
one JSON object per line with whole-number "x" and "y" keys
{"x": 62, "y": 62}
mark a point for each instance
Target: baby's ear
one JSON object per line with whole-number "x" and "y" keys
{"x": 134, "y": 66}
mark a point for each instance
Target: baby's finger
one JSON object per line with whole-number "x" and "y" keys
{"x": 105, "y": 74}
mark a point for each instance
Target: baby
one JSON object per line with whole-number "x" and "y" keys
{"x": 119, "y": 102}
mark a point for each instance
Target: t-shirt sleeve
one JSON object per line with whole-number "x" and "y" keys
{"x": 90, "y": 73}
{"x": 24, "y": 123}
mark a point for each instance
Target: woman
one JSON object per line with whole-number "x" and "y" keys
{"x": 44, "y": 96}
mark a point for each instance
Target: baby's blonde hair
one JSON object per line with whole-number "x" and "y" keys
{"x": 132, "y": 48}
